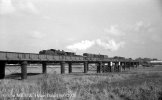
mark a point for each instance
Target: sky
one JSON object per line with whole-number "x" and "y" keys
{"x": 128, "y": 28}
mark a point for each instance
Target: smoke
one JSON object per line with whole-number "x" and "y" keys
{"x": 83, "y": 45}
{"x": 110, "y": 45}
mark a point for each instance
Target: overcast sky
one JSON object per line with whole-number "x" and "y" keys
{"x": 129, "y": 28}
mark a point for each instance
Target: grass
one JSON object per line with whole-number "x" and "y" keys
{"x": 147, "y": 88}
{"x": 133, "y": 85}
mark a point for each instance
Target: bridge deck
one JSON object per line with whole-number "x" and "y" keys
{"x": 16, "y": 56}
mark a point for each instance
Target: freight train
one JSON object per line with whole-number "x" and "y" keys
{"x": 57, "y": 52}
{"x": 62, "y": 52}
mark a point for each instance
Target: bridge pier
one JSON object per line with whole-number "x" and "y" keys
{"x": 2, "y": 70}
{"x": 24, "y": 70}
{"x": 134, "y": 64}
{"x": 99, "y": 67}
{"x": 137, "y": 64}
{"x": 122, "y": 66}
{"x": 125, "y": 65}
{"x": 131, "y": 64}
{"x": 70, "y": 67}
{"x": 109, "y": 66}
{"x": 128, "y": 65}
{"x": 119, "y": 67}
{"x": 116, "y": 67}
{"x": 44, "y": 68}
{"x": 62, "y": 67}
{"x": 104, "y": 67}
{"x": 85, "y": 66}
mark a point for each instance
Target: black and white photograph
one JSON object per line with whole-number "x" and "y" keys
{"x": 80, "y": 49}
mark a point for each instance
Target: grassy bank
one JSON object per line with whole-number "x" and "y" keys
{"x": 116, "y": 86}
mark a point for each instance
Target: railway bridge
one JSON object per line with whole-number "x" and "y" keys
{"x": 103, "y": 65}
